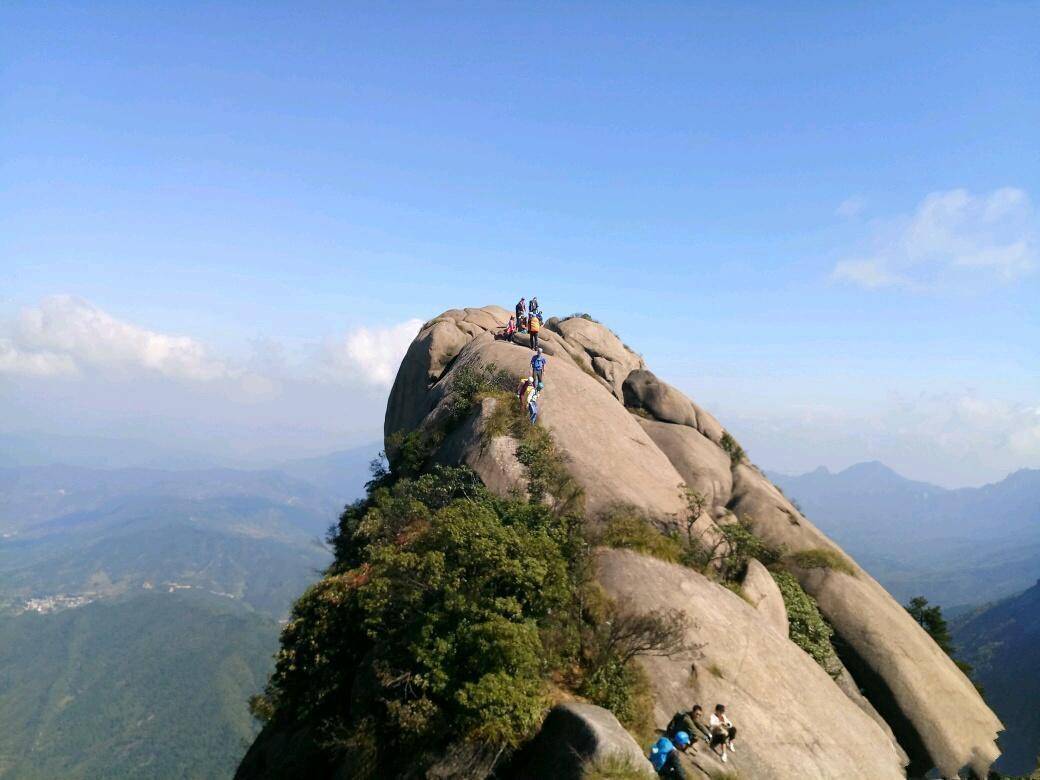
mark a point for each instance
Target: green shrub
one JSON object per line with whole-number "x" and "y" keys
{"x": 623, "y": 689}
{"x": 470, "y": 384}
{"x": 735, "y": 451}
{"x": 626, "y": 528}
{"x": 808, "y": 628}
{"x": 407, "y": 453}
{"x": 822, "y": 558}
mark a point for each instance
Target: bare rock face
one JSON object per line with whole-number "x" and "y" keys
{"x": 791, "y": 721}
{"x": 762, "y": 592}
{"x": 630, "y": 438}
{"x": 573, "y": 736}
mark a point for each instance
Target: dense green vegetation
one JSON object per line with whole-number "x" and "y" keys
{"x": 451, "y": 614}
{"x": 460, "y": 611}
{"x": 148, "y": 687}
{"x": 808, "y": 628}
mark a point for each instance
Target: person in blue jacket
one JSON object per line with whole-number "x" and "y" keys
{"x": 664, "y": 756}
{"x": 538, "y": 364}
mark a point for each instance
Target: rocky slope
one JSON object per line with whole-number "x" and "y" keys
{"x": 631, "y": 439}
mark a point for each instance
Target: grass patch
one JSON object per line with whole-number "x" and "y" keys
{"x": 738, "y": 589}
{"x": 716, "y": 670}
{"x": 616, "y": 766}
{"x": 627, "y": 529}
{"x": 822, "y": 558}
{"x": 507, "y": 418}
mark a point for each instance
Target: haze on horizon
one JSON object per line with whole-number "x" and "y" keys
{"x": 219, "y": 231}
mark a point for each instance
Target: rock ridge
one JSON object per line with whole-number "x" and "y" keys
{"x": 632, "y": 439}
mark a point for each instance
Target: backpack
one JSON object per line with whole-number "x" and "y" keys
{"x": 678, "y": 723}
{"x": 659, "y": 752}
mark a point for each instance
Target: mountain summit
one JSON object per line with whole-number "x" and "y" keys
{"x": 887, "y": 703}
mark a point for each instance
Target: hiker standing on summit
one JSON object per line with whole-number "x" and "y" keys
{"x": 534, "y": 325}
{"x": 521, "y": 309}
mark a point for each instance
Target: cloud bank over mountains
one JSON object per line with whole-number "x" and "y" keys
{"x": 68, "y": 367}
{"x": 66, "y": 336}
{"x": 70, "y": 338}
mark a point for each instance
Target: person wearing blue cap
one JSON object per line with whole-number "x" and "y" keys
{"x": 664, "y": 756}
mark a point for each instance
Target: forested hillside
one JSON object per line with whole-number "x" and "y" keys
{"x": 1002, "y": 642}
{"x": 147, "y": 687}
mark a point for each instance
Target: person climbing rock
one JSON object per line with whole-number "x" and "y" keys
{"x": 526, "y": 384}
{"x": 538, "y": 364}
{"x": 532, "y": 402}
{"x": 722, "y": 731}
{"x": 534, "y": 325}
{"x": 664, "y": 756}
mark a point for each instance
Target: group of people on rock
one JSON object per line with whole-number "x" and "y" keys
{"x": 528, "y": 319}
{"x": 684, "y": 727}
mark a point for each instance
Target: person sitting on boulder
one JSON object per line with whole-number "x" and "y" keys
{"x": 538, "y": 364}
{"x": 722, "y": 731}
{"x": 534, "y": 325}
{"x": 664, "y": 756}
{"x": 691, "y": 722}
{"x": 700, "y": 727}
{"x": 510, "y": 329}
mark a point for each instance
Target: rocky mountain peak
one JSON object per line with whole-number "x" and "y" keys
{"x": 630, "y": 439}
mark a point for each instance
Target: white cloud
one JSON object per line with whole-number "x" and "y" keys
{"x": 369, "y": 355}
{"x": 66, "y": 335}
{"x": 951, "y": 231}
{"x": 870, "y": 274}
{"x": 851, "y": 207}
{"x": 38, "y": 364}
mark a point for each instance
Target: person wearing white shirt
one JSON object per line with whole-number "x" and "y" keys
{"x": 723, "y": 732}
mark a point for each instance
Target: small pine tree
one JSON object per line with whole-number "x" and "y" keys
{"x": 931, "y": 620}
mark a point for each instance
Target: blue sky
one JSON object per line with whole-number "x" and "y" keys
{"x": 819, "y": 221}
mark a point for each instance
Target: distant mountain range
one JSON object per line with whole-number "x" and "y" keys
{"x": 1002, "y": 642}
{"x": 956, "y": 547}
{"x": 139, "y": 608}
